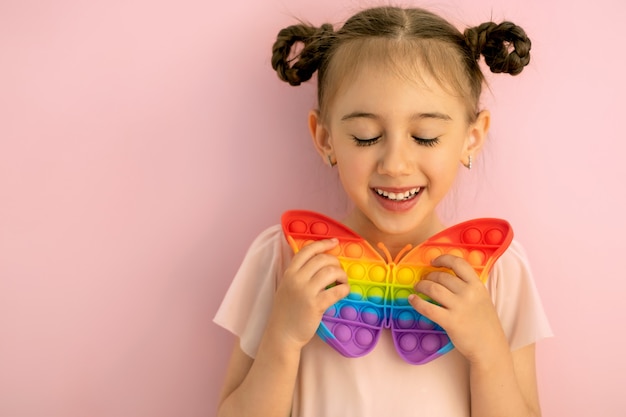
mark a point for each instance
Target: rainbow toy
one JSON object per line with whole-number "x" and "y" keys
{"x": 379, "y": 288}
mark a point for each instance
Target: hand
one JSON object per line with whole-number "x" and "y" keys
{"x": 464, "y": 309}
{"x": 302, "y": 296}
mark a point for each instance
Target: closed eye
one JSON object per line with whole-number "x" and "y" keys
{"x": 426, "y": 142}
{"x": 365, "y": 142}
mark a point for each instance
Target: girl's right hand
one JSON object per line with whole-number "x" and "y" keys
{"x": 302, "y": 296}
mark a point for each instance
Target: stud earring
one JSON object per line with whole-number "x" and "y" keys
{"x": 330, "y": 161}
{"x": 469, "y": 162}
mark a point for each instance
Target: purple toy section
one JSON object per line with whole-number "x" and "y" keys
{"x": 379, "y": 287}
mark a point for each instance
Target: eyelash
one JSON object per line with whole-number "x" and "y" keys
{"x": 365, "y": 142}
{"x": 420, "y": 141}
{"x": 426, "y": 142}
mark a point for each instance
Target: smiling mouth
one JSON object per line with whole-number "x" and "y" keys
{"x": 398, "y": 196}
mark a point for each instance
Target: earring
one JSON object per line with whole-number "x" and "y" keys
{"x": 469, "y": 162}
{"x": 330, "y": 161}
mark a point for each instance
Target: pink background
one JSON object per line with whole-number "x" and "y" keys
{"x": 143, "y": 144}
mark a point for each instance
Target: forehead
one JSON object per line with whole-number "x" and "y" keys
{"x": 427, "y": 64}
{"x": 380, "y": 94}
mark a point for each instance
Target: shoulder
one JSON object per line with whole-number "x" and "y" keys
{"x": 513, "y": 261}
{"x": 247, "y": 303}
{"x": 516, "y": 299}
{"x": 268, "y": 238}
{"x": 269, "y": 241}
{"x": 511, "y": 273}
{"x": 268, "y": 251}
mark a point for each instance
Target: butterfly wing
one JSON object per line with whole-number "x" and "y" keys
{"x": 480, "y": 242}
{"x": 353, "y": 325}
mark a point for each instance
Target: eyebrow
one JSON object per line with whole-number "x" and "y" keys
{"x": 416, "y": 116}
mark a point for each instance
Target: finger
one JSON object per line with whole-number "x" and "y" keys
{"x": 437, "y": 292}
{"x": 429, "y": 310}
{"x": 309, "y": 251}
{"x": 329, "y": 275}
{"x": 321, "y": 263}
{"x": 460, "y": 266}
{"x": 446, "y": 279}
{"x": 330, "y": 296}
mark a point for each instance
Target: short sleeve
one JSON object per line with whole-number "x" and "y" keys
{"x": 516, "y": 299}
{"x": 248, "y": 302}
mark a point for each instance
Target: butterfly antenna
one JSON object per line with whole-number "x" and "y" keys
{"x": 402, "y": 252}
{"x": 382, "y": 247}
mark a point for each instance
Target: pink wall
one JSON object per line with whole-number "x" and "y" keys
{"x": 143, "y": 144}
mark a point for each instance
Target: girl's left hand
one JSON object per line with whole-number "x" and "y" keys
{"x": 464, "y": 309}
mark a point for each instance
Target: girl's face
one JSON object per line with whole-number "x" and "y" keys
{"x": 398, "y": 147}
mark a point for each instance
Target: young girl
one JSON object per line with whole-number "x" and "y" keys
{"x": 398, "y": 96}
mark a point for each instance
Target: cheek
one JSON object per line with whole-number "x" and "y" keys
{"x": 354, "y": 174}
{"x": 351, "y": 174}
{"x": 443, "y": 167}
{"x": 450, "y": 153}
{"x": 353, "y": 162}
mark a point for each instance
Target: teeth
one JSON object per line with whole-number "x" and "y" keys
{"x": 398, "y": 196}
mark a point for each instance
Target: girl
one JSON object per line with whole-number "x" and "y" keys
{"x": 398, "y": 94}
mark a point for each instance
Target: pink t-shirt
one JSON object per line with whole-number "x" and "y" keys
{"x": 379, "y": 383}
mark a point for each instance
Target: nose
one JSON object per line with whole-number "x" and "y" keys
{"x": 395, "y": 159}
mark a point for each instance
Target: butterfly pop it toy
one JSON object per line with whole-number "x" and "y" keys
{"x": 379, "y": 288}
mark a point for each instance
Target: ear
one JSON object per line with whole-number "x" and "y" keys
{"x": 477, "y": 134}
{"x": 321, "y": 136}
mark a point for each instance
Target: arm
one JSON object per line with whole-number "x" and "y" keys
{"x": 505, "y": 385}
{"x": 501, "y": 382}
{"x": 261, "y": 386}
{"x": 264, "y": 386}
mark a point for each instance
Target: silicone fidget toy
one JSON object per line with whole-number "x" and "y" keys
{"x": 379, "y": 287}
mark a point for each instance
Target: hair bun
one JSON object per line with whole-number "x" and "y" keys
{"x": 300, "y": 68}
{"x": 505, "y": 46}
